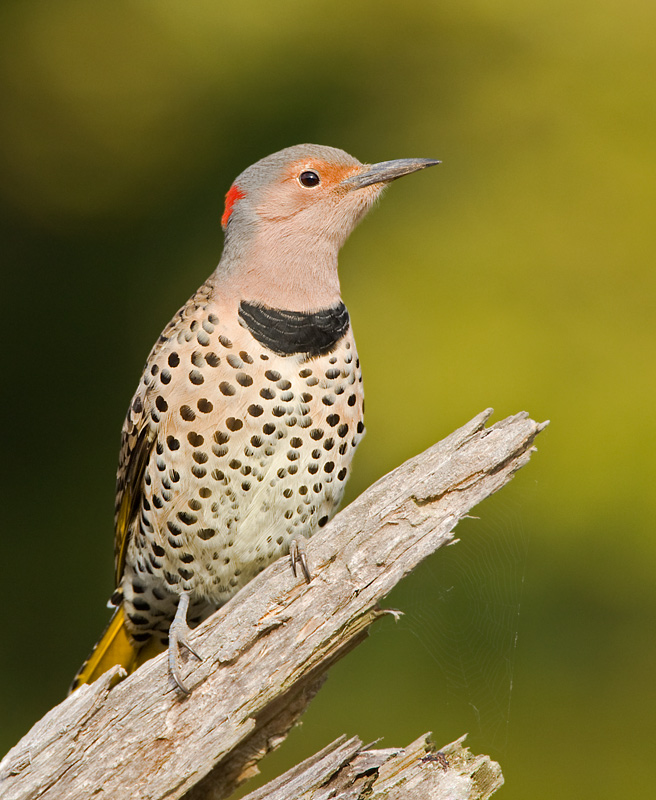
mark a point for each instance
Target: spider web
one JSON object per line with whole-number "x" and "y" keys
{"x": 464, "y": 609}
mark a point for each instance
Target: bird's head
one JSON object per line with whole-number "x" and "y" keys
{"x": 287, "y": 215}
{"x": 311, "y": 189}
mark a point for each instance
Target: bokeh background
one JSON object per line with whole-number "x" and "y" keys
{"x": 519, "y": 275}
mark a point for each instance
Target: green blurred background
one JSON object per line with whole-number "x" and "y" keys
{"x": 519, "y": 275}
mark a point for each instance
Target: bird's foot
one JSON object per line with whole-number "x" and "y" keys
{"x": 178, "y": 633}
{"x": 298, "y": 556}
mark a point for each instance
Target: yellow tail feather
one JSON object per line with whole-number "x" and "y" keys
{"x": 114, "y": 647}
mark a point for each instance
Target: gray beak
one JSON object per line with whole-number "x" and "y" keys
{"x": 386, "y": 171}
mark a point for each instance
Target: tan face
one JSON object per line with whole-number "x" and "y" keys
{"x": 312, "y": 187}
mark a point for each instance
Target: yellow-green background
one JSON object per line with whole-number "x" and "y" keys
{"x": 519, "y": 274}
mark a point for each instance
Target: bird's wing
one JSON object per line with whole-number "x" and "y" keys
{"x": 135, "y": 451}
{"x": 138, "y": 437}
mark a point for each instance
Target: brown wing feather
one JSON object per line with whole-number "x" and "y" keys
{"x": 138, "y": 438}
{"x": 131, "y": 472}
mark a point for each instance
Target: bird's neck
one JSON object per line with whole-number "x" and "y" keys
{"x": 281, "y": 269}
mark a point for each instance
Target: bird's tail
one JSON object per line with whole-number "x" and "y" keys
{"x": 115, "y": 647}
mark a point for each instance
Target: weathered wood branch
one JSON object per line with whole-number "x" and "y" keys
{"x": 266, "y": 652}
{"x": 347, "y": 770}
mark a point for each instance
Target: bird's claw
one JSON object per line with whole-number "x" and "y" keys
{"x": 178, "y": 633}
{"x": 298, "y": 556}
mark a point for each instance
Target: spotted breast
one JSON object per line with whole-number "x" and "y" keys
{"x": 250, "y": 445}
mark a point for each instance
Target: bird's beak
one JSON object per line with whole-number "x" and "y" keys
{"x": 386, "y": 171}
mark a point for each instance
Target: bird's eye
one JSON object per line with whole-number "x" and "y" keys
{"x": 309, "y": 179}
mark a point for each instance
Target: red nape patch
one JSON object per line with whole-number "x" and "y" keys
{"x": 234, "y": 194}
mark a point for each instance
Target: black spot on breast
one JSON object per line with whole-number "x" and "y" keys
{"x": 233, "y": 424}
{"x": 204, "y": 405}
{"x": 227, "y": 388}
{"x": 288, "y": 332}
{"x": 174, "y": 359}
{"x": 188, "y": 414}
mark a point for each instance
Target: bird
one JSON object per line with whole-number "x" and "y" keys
{"x": 238, "y": 441}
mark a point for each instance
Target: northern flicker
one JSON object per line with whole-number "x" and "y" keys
{"x": 238, "y": 441}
